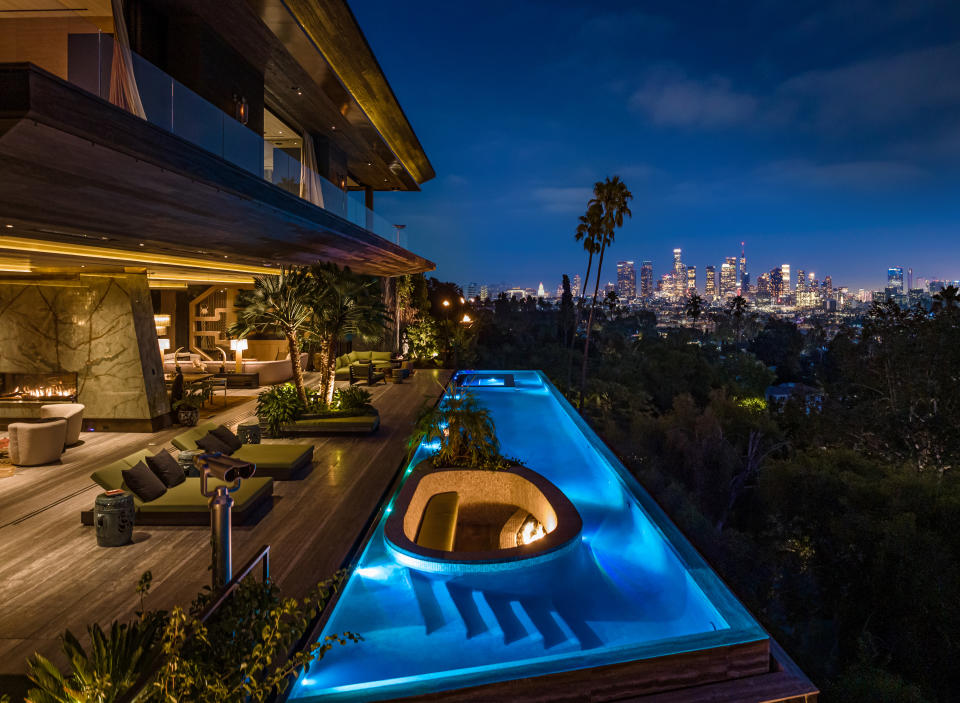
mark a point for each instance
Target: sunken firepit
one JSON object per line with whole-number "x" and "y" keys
{"x": 502, "y": 519}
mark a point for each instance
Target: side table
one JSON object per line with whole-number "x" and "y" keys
{"x": 113, "y": 518}
{"x": 248, "y": 431}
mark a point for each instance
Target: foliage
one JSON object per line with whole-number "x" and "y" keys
{"x": 344, "y": 305}
{"x": 281, "y": 404}
{"x": 191, "y": 399}
{"x": 277, "y": 303}
{"x": 241, "y": 652}
{"x": 423, "y": 338}
{"x": 115, "y": 660}
{"x": 351, "y": 398}
{"x": 464, "y": 431}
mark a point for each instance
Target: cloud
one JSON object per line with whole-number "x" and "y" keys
{"x": 562, "y": 200}
{"x": 875, "y": 92}
{"x": 671, "y": 98}
{"x": 848, "y": 175}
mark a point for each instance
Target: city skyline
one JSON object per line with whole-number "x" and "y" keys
{"x": 786, "y": 146}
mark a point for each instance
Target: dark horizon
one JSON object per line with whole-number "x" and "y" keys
{"x": 825, "y": 137}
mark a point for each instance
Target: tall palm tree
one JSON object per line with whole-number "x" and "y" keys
{"x": 278, "y": 303}
{"x": 947, "y": 299}
{"x": 590, "y": 232}
{"x": 343, "y": 303}
{"x": 737, "y": 307}
{"x": 694, "y": 307}
{"x": 612, "y": 196}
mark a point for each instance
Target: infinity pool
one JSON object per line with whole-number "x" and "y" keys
{"x": 632, "y": 589}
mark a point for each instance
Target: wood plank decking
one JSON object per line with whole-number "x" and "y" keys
{"x": 53, "y": 576}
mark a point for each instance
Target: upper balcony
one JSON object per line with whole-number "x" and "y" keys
{"x": 187, "y": 179}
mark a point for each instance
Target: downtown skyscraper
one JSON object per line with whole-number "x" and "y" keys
{"x": 626, "y": 280}
{"x": 710, "y": 285}
{"x": 728, "y": 277}
{"x": 646, "y": 279}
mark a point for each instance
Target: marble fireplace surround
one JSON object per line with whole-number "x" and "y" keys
{"x": 98, "y": 326}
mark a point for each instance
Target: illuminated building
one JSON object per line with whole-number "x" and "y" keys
{"x": 895, "y": 279}
{"x": 710, "y": 285}
{"x": 785, "y": 274}
{"x": 764, "y": 291}
{"x": 691, "y": 280}
{"x": 776, "y": 284}
{"x": 728, "y": 277}
{"x": 473, "y": 291}
{"x": 828, "y": 286}
{"x": 646, "y": 279}
{"x": 576, "y": 285}
{"x": 541, "y": 292}
{"x": 626, "y": 280}
{"x": 484, "y": 292}
{"x": 801, "y": 281}
{"x": 679, "y": 274}
{"x": 743, "y": 278}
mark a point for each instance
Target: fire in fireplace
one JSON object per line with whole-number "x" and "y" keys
{"x": 38, "y": 386}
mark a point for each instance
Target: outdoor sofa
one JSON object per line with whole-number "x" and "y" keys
{"x": 380, "y": 361}
{"x": 314, "y": 425}
{"x": 184, "y": 504}
{"x": 280, "y": 461}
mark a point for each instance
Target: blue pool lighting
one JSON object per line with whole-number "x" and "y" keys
{"x": 632, "y": 588}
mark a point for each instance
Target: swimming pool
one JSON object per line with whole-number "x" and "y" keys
{"x": 632, "y": 589}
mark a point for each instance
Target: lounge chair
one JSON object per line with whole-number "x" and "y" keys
{"x": 184, "y": 504}
{"x": 72, "y": 413}
{"x": 37, "y": 443}
{"x": 280, "y": 461}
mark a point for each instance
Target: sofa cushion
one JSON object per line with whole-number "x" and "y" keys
{"x": 143, "y": 483}
{"x": 110, "y": 476}
{"x": 354, "y": 357}
{"x": 166, "y": 468}
{"x": 380, "y": 356}
{"x": 211, "y": 443}
{"x": 227, "y": 437}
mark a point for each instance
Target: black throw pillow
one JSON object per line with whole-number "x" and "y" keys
{"x": 143, "y": 483}
{"x": 210, "y": 443}
{"x": 166, "y": 468}
{"x": 227, "y": 437}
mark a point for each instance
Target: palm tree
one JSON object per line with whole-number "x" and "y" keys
{"x": 344, "y": 303}
{"x": 612, "y": 196}
{"x": 278, "y": 303}
{"x": 947, "y": 299}
{"x": 694, "y": 307}
{"x": 737, "y": 307}
{"x": 589, "y": 231}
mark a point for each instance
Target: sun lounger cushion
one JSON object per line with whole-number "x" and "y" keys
{"x": 438, "y": 526}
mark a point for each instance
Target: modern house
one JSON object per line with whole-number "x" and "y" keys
{"x": 155, "y": 155}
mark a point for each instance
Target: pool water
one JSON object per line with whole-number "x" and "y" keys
{"x": 633, "y": 588}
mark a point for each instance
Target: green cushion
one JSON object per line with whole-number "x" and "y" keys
{"x": 188, "y": 440}
{"x": 186, "y": 497}
{"x": 380, "y": 356}
{"x": 345, "y": 423}
{"x": 438, "y": 526}
{"x": 353, "y": 356}
{"x": 343, "y": 373}
{"x": 110, "y": 477}
{"x": 343, "y": 361}
{"x": 273, "y": 456}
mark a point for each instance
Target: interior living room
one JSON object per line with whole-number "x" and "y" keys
{"x": 156, "y": 156}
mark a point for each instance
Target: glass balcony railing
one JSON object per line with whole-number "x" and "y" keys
{"x": 172, "y": 106}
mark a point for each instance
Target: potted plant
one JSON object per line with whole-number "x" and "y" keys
{"x": 188, "y": 407}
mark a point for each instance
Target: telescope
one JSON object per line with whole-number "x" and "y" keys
{"x": 224, "y": 468}
{"x": 231, "y": 472}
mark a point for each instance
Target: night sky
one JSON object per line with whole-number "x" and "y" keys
{"x": 825, "y": 135}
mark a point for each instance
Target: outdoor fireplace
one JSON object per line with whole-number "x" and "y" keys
{"x": 38, "y": 387}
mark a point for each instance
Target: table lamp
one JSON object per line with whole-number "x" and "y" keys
{"x": 237, "y": 346}
{"x": 164, "y": 345}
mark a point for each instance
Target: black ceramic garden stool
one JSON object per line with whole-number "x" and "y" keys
{"x": 113, "y": 517}
{"x": 248, "y": 431}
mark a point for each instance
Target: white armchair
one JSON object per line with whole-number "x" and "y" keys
{"x": 72, "y": 413}
{"x": 35, "y": 443}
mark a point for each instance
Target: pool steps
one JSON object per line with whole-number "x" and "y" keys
{"x": 485, "y": 613}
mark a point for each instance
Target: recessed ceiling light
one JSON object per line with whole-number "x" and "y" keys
{"x": 141, "y": 243}
{"x": 333, "y": 127}
{"x": 9, "y": 226}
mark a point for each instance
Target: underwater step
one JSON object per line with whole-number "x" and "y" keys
{"x": 513, "y": 630}
{"x": 430, "y": 609}
{"x": 584, "y": 634}
{"x": 467, "y": 607}
{"x": 542, "y": 619}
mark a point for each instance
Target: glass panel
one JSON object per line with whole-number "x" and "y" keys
{"x": 156, "y": 92}
{"x": 196, "y": 120}
{"x": 242, "y": 146}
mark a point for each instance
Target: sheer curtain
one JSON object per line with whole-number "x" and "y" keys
{"x": 311, "y": 187}
{"x": 123, "y": 83}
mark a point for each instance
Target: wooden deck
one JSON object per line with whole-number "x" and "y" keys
{"x": 53, "y": 576}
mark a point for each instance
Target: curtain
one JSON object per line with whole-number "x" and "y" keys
{"x": 311, "y": 188}
{"x": 123, "y": 83}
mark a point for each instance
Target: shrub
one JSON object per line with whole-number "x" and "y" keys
{"x": 351, "y": 399}
{"x": 281, "y": 404}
